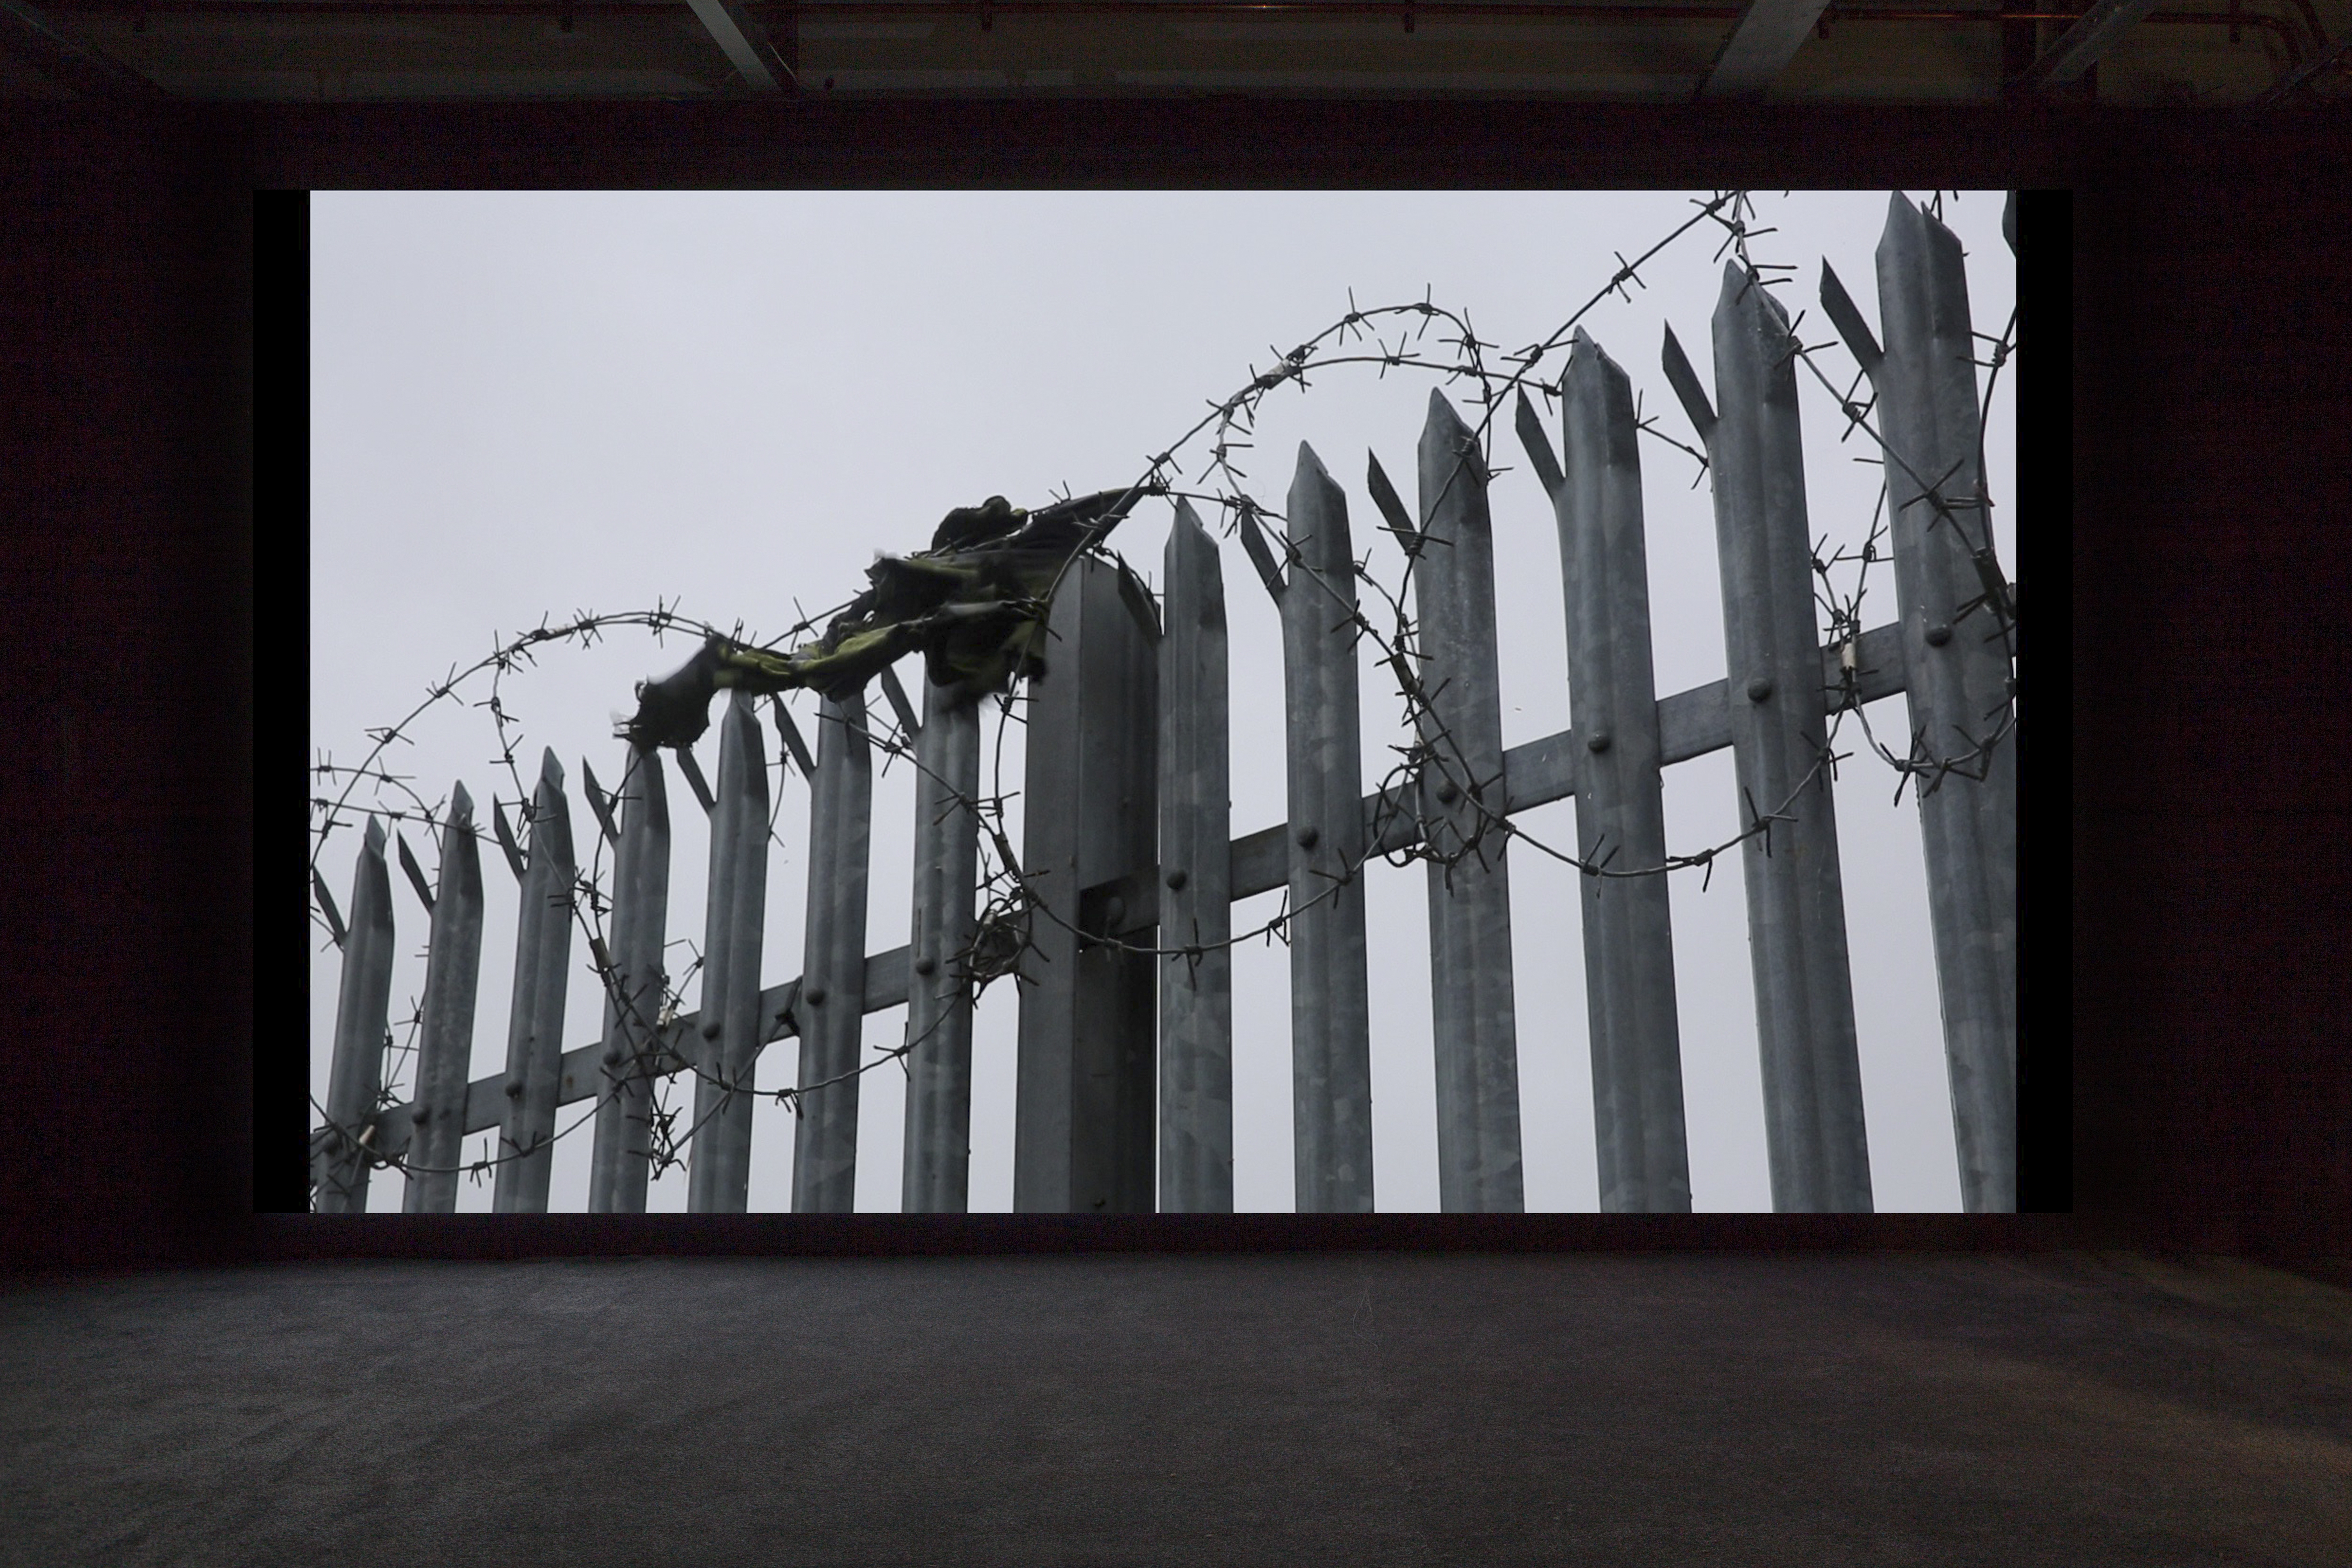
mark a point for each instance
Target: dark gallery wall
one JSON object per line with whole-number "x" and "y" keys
{"x": 2212, "y": 574}
{"x": 126, "y": 615}
{"x": 2188, "y": 915}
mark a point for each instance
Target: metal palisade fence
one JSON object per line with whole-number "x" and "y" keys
{"x": 1124, "y": 1094}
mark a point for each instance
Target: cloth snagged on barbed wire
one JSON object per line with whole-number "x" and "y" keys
{"x": 973, "y": 605}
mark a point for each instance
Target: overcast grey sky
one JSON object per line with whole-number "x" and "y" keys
{"x": 530, "y": 405}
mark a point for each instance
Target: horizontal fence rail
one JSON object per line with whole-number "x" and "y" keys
{"x": 1691, "y": 724}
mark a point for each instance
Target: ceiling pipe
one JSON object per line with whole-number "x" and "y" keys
{"x": 1766, "y": 38}
{"x": 744, "y": 41}
{"x": 2339, "y": 55}
{"x": 2098, "y": 30}
{"x": 28, "y": 36}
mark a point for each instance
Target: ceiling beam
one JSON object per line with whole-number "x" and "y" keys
{"x": 1762, "y": 43}
{"x": 30, "y": 38}
{"x": 2093, "y": 35}
{"x": 745, "y": 42}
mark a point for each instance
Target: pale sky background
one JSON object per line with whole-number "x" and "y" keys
{"x": 526, "y": 405}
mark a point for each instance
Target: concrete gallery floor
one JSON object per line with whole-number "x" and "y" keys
{"x": 1343, "y": 1408}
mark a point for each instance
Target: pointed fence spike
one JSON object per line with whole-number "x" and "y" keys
{"x": 936, "y": 1151}
{"x": 1539, "y": 447}
{"x": 833, "y": 966}
{"x": 719, "y": 1171}
{"x": 1685, "y": 381}
{"x": 695, "y": 781}
{"x": 1641, "y": 1140}
{"x": 1330, "y": 1029}
{"x": 327, "y": 903}
{"x": 1474, "y": 1031}
{"x": 1196, "y": 1046}
{"x": 1848, "y": 320}
{"x": 1138, "y": 600}
{"x": 1085, "y": 1087}
{"x": 444, "y": 1042}
{"x": 340, "y": 1158}
{"x": 416, "y": 873}
{"x": 533, "y": 1079}
{"x": 1817, "y": 1154}
{"x": 599, "y": 804}
{"x": 1254, "y": 544}
{"x": 1928, "y": 413}
{"x": 1468, "y": 457}
{"x": 791, "y": 735}
{"x": 908, "y": 725}
{"x": 621, "y": 1079}
{"x": 506, "y": 836}
{"x": 1391, "y": 506}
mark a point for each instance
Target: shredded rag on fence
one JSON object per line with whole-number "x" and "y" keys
{"x": 973, "y": 605}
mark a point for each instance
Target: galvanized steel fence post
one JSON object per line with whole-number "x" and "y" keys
{"x": 1629, "y": 964}
{"x": 1815, "y": 1140}
{"x": 1475, "y": 1030}
{"x": 1196, "y": 986}
{"x": 338, "y": 1163}
{"x": 833, "y": 965}
{"x": 1084, "y": 1129}
{"x": 1331, "y": 1017}
{"x": 535, "y": 1019}
{"x": 1957, "y": 676}
{"x": 936, "y": 1177}
{"x": 719, "y": 1170}
{"x": 619, "y": 1166}
{"x": 444, "y": 1050}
